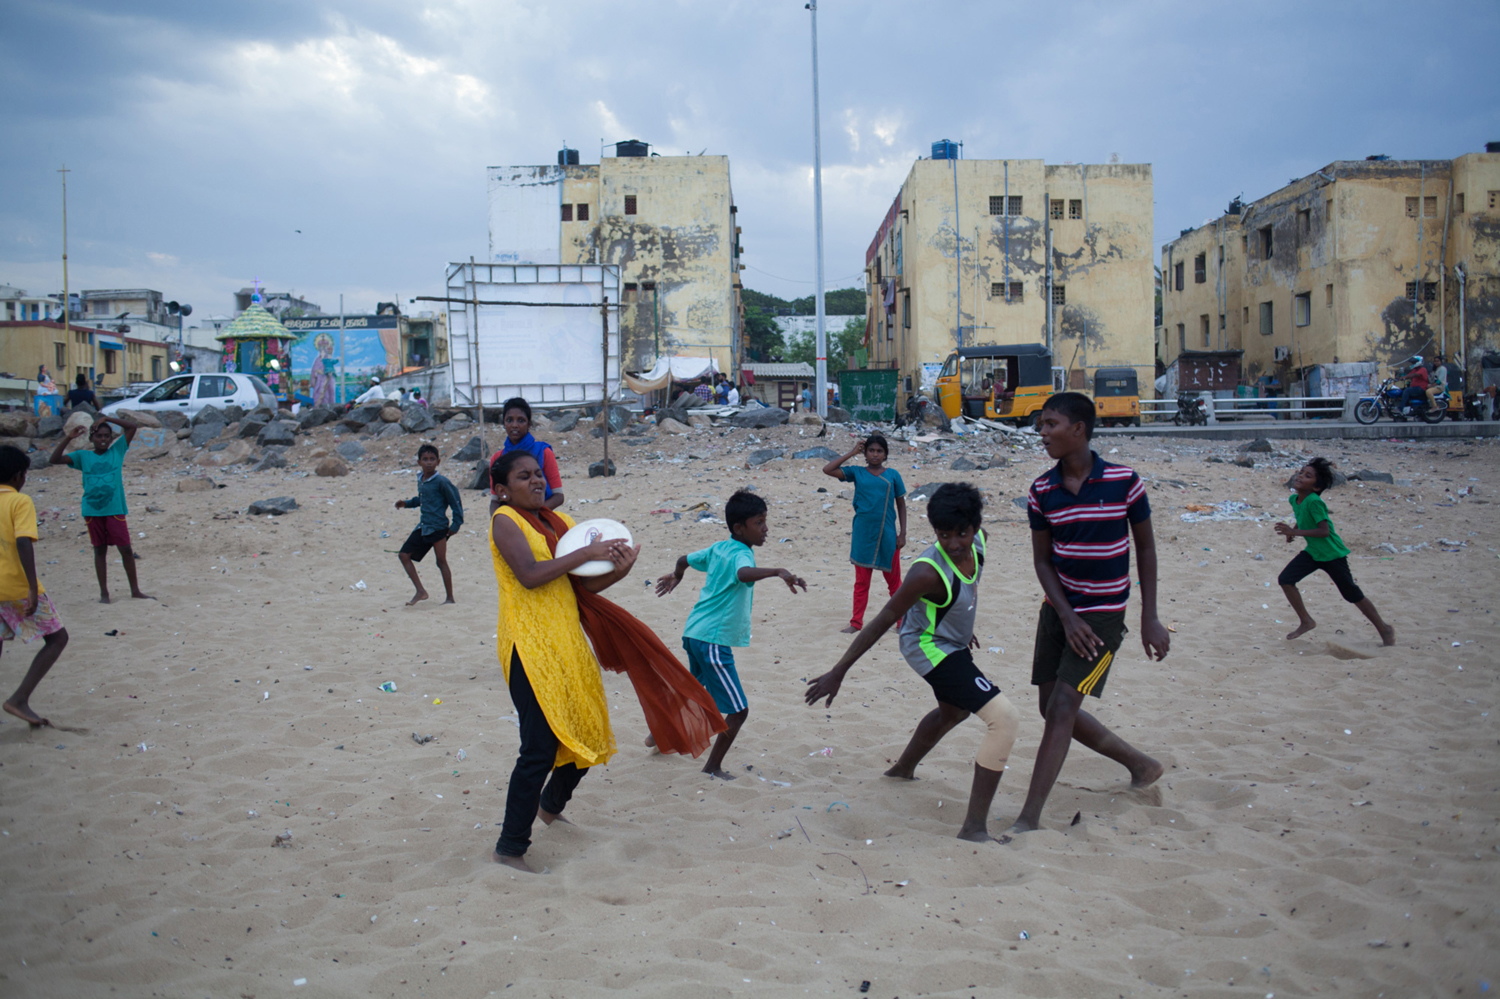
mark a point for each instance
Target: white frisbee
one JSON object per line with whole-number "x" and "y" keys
{"x": 585, "y": 533}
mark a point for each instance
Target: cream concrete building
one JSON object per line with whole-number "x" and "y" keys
{"x": 961, "y": 259}
{"x": 670, "y": 222}
{"x": 1358, "y": 261}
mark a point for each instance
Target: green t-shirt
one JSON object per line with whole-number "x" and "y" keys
{"x": 103, "y": 485}
{"x": 722, "y": 614}
{"x": 1310, "y": 513}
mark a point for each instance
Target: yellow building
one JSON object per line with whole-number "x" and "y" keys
{"x": 1358, "y": 261}
{"x": 961, "y": 259}
{"x": 108, "y": 360}
{"x": 668, "y": 221}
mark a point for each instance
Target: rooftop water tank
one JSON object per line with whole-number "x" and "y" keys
{"x": 945, "y": 149}
{"x": 567, "y": 157}
{"x": 632, "y": 147}
{"x": 1492, "y": 147}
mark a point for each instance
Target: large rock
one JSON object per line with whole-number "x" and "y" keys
{"x": 40, "y": 460}
{"x": 1365, "y": 475}
{"x": 17, "y": 424}
{"x": 314, "y": 417}
{"x": 390, "y": 413}
{"x": 78, "y": 419}
{"x": 268, "y": 461}
{"x": 417, "y": 420}
{"x": 331, "y": 466}
{"x": 962, "y": 464}
{"x": 457, "y": 423}
{"x": 171, "y": 419}
{"x": 1258, "y": 446}
{"x": 141, "y": 416}
{"x": 481, "y": 477}
{"x": 83, "y": 407}
{"x": 197, "y": 484}
{"x": 185, "y": 433}
{"x": 699, "y": 420}
{"x": 764, "y": 455}
{"x": 671, "y": 426}
{"x": 598, "y": 469}
{"x": 277, "y": 433}
{"x": 837, "y": 414}
{"x": 390, "y": 430}
{"x": 233, "y": 413}
{"x": 350, "y": 451}
{"x": 252, "y": 427}
{"x": 203, "y": 433}
{"x": 619, "y": 418}
{"x": 806, "y": 418}
{"x": 565, "y": 423}
{"x": 820, "y": 453}
{"x": 760, "y": 418}
{"x": 209, "y": 414}
{"x": 361, "y": 415}
{"x": 471, "y": 451}
{"x": 222, "y": 453}
{"x": 275, "y": 506}
{"x": 49, "y": 426}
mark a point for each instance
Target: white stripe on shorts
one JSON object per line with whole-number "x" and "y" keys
{"x": 736, "y": 697}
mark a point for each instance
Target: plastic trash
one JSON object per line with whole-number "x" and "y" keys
{"x": 389, "y": 686}
{"x": 359, "y": 586}
{"x": 1228, "y": 510}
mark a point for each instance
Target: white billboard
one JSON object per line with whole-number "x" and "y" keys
{"x": 534, "y": 331}
{"x": 525, "y": 220}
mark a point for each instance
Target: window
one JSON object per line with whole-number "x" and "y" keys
{"x": 997, "y": 289}
{"x": 1302, "y": 309}
{"x": 1267, "y": 246}
{"x": 1411, "y": 291}
{"x": 101, "y": 308}
{"x": 60, "y": 356}
{"x": 214, "y": 386}
{"x": 997, "y": 204}
{"x": 1246, "y": 319}
{"x": 648, "y": 286}
{"x": 583, "y": 213}
{"x": 1429, "y": 291}
{"x": 1458, "y": 203}
{"x": 1177, "y": 275}
{"x": 1429, "y": 207}
{"x": 1267, "y": 318}
{"x": 1181, "y": 336}
{"x": 1203, "y": 323}
{"x": 631, "y": 292}
{"x": 630, "y": 204}
{"x": 1200, "y": 268}
{"x": 109, "y": 362}
{"x": 1017, "y": 288}
{"x": 1056, "y": 209}
{"x": 156, "y": 369}
{"x": 1014, "y": 208}
{"x": 567, "y": 213}
{"x": 1304, "y": 221}
{"x": 1075, "y": 208}
{"x": 1494, "y": 200}
{"x": 1328, "y": 210}
{"x": 906, "y": 309}
{"x": 1059, "y": 294}
{"x": 1223, "y": 322}
{"x": 1411, "y": 208}
{"x": 1328, "y": 295}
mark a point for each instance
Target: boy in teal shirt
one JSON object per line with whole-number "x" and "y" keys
{"x": 721, "y": 618}
{"x": 1325, "y": 550}
{"x": 104, "y": 494}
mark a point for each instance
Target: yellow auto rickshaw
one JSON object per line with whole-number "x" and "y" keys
{"x": 1117, "y": 400}
{"x": 998, "y": 383}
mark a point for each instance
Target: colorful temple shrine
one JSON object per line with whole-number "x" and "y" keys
{"x": 257, "y": 344}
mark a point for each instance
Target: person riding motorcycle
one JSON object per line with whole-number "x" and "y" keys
{"x": 1417, "y": 382}
{"x": 1439, "y": 380}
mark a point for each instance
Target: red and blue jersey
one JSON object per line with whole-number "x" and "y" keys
{"x": 1091, "y": 532}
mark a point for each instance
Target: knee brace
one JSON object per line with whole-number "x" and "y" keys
{"x": 1001, "y": 721}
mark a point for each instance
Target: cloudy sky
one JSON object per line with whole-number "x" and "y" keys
{"x": 202, "y": 136}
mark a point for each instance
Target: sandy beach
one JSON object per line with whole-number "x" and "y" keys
{"x": 1326, "y": 824}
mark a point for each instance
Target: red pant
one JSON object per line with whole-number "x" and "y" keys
{"x": 862, "y": 587}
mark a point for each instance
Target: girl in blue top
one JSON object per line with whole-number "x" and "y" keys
{"x": 516, "y": 415}
{"x": 879, "y": 507}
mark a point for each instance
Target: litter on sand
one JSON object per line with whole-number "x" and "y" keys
{"x": 422, "y": 740}
{"x": 389, "y": 686}
{"x": 1228, "y": 510}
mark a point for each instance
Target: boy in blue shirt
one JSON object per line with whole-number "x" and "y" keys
{"x": 721, "y": 618}
{"x": 104, "y": 494}
{"x": 435, "y": 496}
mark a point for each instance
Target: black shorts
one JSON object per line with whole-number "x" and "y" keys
{"x": 1052, "y": 659}
{"x": 1305, "y": 565}
{"x": 419, "y": 544}
{"x": 957, "y": 681}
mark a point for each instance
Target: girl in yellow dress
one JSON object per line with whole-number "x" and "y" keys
{"x": 554, "y": 679}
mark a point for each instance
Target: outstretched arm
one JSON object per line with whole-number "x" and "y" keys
{"x": 921, "y": 581}
{"x": 751, "y": 574}
{"x": 1153, "y": 635}
{"x": 666, "y": 584}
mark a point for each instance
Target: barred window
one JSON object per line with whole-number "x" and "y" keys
{"x": 567, "y": 213}
{"x": 1075, "y": 208}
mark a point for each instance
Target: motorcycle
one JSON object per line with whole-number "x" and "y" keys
{"x": 1387, "y": 402}
{"x": 1190, "y": 411}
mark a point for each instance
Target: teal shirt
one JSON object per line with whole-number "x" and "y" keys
{"x": 872, "y": 543}
{"x": 103, "y": 484}
{"x": 722, "y": 614}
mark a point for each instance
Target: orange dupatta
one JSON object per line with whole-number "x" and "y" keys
{"x": 681, "y": 715}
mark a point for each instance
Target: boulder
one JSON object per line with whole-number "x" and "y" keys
{"x": 309, "y": 418}
{"x": 481, "y": 477}
{"x": 837, "y": 414}
{"x": 332, "y": 465}
{"x": 40, "y": 460}
{"x": 361, "y": 415}
{"x": 231, "y": 429}
{"x": 78, "y": 419}
{"x": 171, "y": 419}
{"x": 209, "y": 414}
{"x": 964, "y": 465}
{"x": 141, "y": 416}
{"x": 1245, "y": 462}
{"x": 457, "y": 423}
{"x": 252, "y": 427}
{"x": 276, "y": 433}
{"x": 764, "y": 455}
{"x": 598, "y": 469}
{"x": 820, "y": 453}
{"x": 83, "y": 407}
{"x": 203, "y": 433}
{"x": 565, "y": 423}
{"x": 540, "y": 425}
{"x": 760, "y": 418}
{"x": 390, "y": 413}
{"x": 264, "y": 414}
{"x": 197, "y": 484}
{"x": 671, "y": 426}
{"x": 389, "y": 430}
{"x": 14, "y": 424}
{"x": 806, "y": 418}
{"x": 471, "y": 451}
{"x": 417, "y": 420}
{"x": 350, "y": 451}
{"x": 699, "y": 420}
{"x": 268, "y": 461}
{"x": 222, "y": 453}
{"x": 184, "y": 434}
{"x": 1365, "y": 475}
{"x": 49, "y": 426}
{"x": 619, "y": 418}
{"x": 275, "y": 506}
{"x": 233, "y": 413}
{"x": 1258, "y": 446}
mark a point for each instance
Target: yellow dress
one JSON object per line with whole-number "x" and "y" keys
{"x": 542, "y": 625}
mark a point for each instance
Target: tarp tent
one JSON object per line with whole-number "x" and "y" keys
{"x": 671, "y": 369}
{"x": 1333, "y": 381}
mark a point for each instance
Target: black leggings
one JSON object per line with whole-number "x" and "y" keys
{"x": 1305, "y": 565}
{"x": 538, "y": 753}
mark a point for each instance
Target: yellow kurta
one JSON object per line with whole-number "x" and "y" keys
{"x": 542, "y": 625}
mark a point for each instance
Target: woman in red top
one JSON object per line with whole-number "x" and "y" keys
{"x": 516, "y": 418}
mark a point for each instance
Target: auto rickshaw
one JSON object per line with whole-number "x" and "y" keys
{"x": 1117, "y": 400}
{"x": 1008, "y": 382}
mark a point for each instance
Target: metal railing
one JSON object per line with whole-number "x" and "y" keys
{"x": 1293, "y": 407}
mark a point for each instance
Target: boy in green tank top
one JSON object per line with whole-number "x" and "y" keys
{"x": 1325, "y": 550}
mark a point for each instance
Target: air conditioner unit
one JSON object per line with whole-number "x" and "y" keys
{"x": 1282, "y": 353}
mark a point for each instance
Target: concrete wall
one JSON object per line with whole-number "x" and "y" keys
{"x": 997, "y": 294}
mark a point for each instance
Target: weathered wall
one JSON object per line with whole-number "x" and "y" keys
{"x": 523, "y": 214}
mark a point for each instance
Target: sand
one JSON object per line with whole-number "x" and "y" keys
{"x": 1326, "y": 823}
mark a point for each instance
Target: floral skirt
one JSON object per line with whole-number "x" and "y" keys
{"x": 15, "y": 624}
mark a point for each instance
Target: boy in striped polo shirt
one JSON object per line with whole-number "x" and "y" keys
{"x": 1082, "y": 515}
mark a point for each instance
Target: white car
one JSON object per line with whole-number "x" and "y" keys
{"x": 189, "y": 394}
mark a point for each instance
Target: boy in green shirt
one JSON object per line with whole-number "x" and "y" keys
{"x": 104, "y": 494}
{"x": 1325, "y": 550}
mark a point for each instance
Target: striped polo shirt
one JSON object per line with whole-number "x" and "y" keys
{"x": 1091, "y": 532}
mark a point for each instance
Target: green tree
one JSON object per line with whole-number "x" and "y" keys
{"x": 842, "y": 343}
{"x": 763, "y": 340}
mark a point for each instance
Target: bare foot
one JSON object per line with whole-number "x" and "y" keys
{"x": 849, "y": 629}
{"x": 104, "y": 596}
{"x": 23, "y": 711}
{"x": 1146, "y": 773}
{"x": 896, "y": 771}
{"x": 450, "y": 600}
{"x": 1021, "y": 826}
{"x": 651, "y": 741}
{"x": 980, "y": 835}
{"x": 1302, "y": 629}
{"x": 515, "y": 863}
{"x": 550, "y": 817}
{"x": 137, "y": 594}
{"x": 722, "y": 775}
{"x": 1387, "y": 635}
{"x": 421, "y": 595}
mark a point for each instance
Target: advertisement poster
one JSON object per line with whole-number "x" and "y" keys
{"x": 372, "y": 347}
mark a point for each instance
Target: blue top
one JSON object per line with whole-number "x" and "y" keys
{"x": 435, "y": 496}
{"x": 103, "y": 486}
{"x": 873, "y": 544}
{"x": 1091, "y": 532}
{"x": 722, "y": 614}
{"x": 537, "y": 450}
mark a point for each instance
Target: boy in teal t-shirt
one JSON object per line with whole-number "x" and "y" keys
{"x": 104, "y": 494}
{"x": 1325, "y": 550}
{"x": 720, "y": 620}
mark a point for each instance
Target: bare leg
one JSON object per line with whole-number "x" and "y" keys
{"x": 19, "y": 702}
{"x": 1387, "y": 633}
{"x": 411, "y": 570}
{"x": 127, "y": 555}
{"x": 929, "y": 732}
{"x": 441, "y": 551}
{"x": 981, "y": 796}
{"x": 714, "y": 766}
{"x": 1305, "y": 622}
{"x": 100, "y": 553}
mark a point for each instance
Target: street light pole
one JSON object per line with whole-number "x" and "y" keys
{"x": 67, "y": 299}
{"x": 821, "y": 343}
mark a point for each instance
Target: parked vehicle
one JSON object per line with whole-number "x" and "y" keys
{"x": 189, "y": 394}
{"x": 998, "y": 383}
{"x": 1387, "y": 401}
{"x": 1117, "y": 397}
{"x": 1190, "y": 410}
